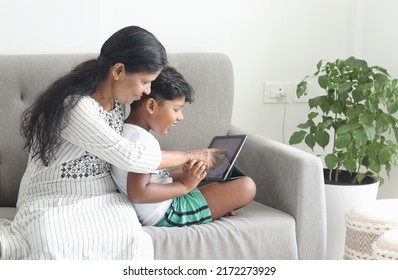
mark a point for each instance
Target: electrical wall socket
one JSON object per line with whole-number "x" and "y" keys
{"x": 277, "y": 92}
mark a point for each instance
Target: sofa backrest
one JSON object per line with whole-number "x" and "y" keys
{"x": 23, "y": 77}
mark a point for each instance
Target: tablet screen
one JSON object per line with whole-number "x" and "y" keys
{"x": 232, "y": 145}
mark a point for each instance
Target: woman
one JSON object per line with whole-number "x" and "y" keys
{"x": 68, "y": 207}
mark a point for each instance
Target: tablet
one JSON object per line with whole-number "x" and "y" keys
{"x": 224, "y": 168}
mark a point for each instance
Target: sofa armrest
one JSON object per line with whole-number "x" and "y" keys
{"x": 290, "y": 180}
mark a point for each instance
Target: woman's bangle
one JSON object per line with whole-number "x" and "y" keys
{"x": 190, "y": 156}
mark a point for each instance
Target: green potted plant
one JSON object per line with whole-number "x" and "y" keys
{"x": 354, "y": 116}
{"x": 353, "y": 119}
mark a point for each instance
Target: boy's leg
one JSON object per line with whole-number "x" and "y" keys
{"x": 224, "y": 197}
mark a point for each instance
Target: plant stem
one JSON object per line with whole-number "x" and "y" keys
{"x": 336, "y": 176}
{"x": 359, "y": 162}
{"x": 334, "y": 149}
{"x": 355, "y": 178}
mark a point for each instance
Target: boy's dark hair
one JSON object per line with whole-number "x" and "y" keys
{"x": 169, "y": 85}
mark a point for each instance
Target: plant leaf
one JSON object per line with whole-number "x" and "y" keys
{"x": 323, "y": 81}
{"x": 351, "y": 113}
{"x": 350, "y": 164}
{"x": 375, "y": 166}
{"x": 370, "y": 132}
{"x": 312, "y": 115}
{"x": 310, "y": 140}
{"x": 381, "y": 125}
{"x": 357, "y": 95}
{"x": 360, "y": 137}
{"x": 336, "y": 107}
{"x": 322, "y": 138}
{"x": 345, "y": 128}
{"x": 392, "y": 106}
{"x": 356, "y": 63}
{"x": 366, "y": 118}
{"x": 384, "y": 156}
{"x": 297, "y": 137}
{"x": 344, "y": 88}
{"x": 318, "y": 66}
{"x": 331, "y": 161}
{"x": 306, "y": 125}
{"x": 342, "y": 141}
{"x": 396, "y": 133}
{"x": 301, "y": 88}
{"x": 373, "y": 150}
{"x": 314, "y": 102}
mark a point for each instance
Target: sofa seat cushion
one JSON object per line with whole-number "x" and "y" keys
{"x": 237, "y": 237}
{"x": 256, "y": 232}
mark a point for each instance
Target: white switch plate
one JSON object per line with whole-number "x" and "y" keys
{"x": 277, "y": 92}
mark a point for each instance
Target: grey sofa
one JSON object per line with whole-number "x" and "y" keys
{"x": 286, "y": 220}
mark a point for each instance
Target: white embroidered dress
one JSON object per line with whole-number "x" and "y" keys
{"x": 71, "y": 209}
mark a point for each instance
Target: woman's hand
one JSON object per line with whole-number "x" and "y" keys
{"x": 177, "y": 158}
{"x": 206, "y": 156}
{"x": 193, "y": 173}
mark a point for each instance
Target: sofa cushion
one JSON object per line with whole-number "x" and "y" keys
{"x": 235, "y": 237}
{"x": 251, "y": 234}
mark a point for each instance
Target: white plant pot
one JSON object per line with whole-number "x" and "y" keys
{"x": 340, "y": 199}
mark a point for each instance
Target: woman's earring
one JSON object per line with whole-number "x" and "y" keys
{"x": 117, "y": 78}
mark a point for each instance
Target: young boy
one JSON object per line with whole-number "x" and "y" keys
{"x": 173, "y": 199}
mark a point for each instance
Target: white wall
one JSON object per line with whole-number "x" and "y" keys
{"x": 267, "y": 40}
{"x": 45, "y": 26}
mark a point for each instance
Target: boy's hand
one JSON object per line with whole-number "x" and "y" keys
{"x": 194, "y": 172}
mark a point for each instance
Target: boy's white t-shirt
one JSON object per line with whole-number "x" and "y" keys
{"x": 148, "y": 213}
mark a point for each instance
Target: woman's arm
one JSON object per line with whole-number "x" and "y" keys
{"x": 87, "y": 130}
{"x": 141, "y": 190}
{"x": 174, "y": 158}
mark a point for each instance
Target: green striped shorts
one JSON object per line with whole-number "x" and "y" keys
{"x": 186, "y": 210}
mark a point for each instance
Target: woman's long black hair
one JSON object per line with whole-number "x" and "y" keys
{"x": 43, "y": 121}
